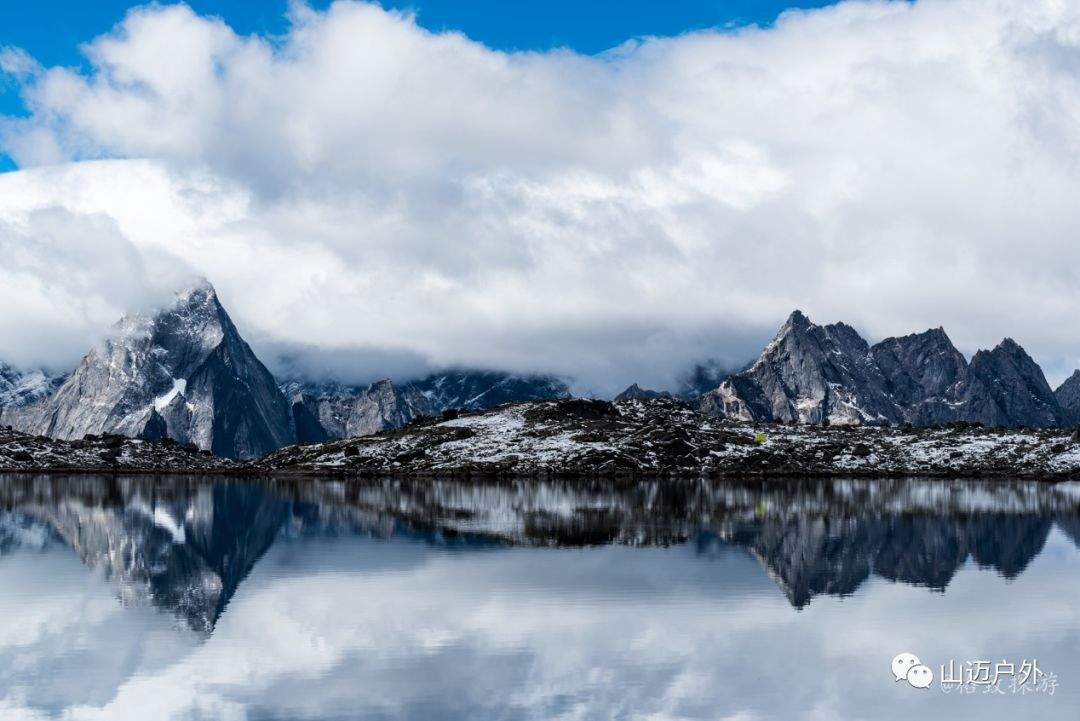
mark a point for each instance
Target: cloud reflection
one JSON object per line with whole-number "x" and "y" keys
{"x": 355, "y": 612}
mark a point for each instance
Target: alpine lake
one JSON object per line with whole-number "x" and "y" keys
{"x": 168, "y": 597}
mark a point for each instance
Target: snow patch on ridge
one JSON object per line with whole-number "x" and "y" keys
{"x": 179, "y": 387}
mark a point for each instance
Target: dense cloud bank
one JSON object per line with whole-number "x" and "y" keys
{"x": 363, "y": 185}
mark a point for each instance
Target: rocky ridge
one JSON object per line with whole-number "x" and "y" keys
{"x": 636, "y": 392}
{"x": 579, "y": 438}
{"x": 666, "y": 438}
{"x": 482, "y": 389}
{"x": 827, "y": 374}
{"x": 104, "y": 453}
{"x": 328, "y": 410}
{"x": 349, "y": 412}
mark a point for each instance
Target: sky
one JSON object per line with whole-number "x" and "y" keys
{"x": 606, "y": 191}
{"x": 54, "y": 31}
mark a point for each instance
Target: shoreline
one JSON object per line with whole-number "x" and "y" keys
{"x": 586, "y": 439}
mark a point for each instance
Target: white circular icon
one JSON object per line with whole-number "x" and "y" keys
{"x": 902, "y": 663}
{"x": 920, "y": 676}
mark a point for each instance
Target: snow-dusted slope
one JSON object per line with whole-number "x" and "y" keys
{"x": 20, "y": 387}
{"x": 662, "y": 437}
{"x": 184, "y": 373}
{"x": 109, "y": 453}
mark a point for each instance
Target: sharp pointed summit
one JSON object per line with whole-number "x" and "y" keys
{"x": 808, "y": 373}
{"x": 182, "y": 372}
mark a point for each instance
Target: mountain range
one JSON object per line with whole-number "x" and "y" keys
{"x": 185, "y": 373}
{"x": 330, "y": 410}
{"x": 819, "y": 374}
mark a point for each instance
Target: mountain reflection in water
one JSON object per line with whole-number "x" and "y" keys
{"x": 185, "y": 544}
{"x": 630, "y": 586}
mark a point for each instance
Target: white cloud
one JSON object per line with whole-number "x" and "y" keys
{"x": 18, "y": 63}
{"x": 895, "y": 165}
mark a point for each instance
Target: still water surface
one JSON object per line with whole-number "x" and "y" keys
{"x": 187, "y": 598}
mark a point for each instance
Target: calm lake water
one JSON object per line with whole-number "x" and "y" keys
{"x": 187, "y": 598}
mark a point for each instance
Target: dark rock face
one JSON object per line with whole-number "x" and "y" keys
{"x": 186, "y": 366}
{"x": 305, "y": 414}
{"x": 817, "y": 374}
{"x": 1068, "y": 397}
{"x": 332, "y": 411}
{"x": 636, "y": 392}
{"x": 926, "y": 376}
{"x": 1016, "y": 388}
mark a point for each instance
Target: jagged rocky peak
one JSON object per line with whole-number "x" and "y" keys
{"x": 808, "y": 373}
{"x": 636, "y": 392}
{"x": 1017, "y": 387}
{"x": 928, "y": 361}
{"x": 182, "y": 372}
{"x": 1068, "y": 397}
{"x": 811, "y": 373}
{"x": 22, "y": 386}
{"x": 925, "y": 375}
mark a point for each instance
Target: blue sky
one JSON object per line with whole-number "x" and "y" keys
{"x": 52, "y": 30}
